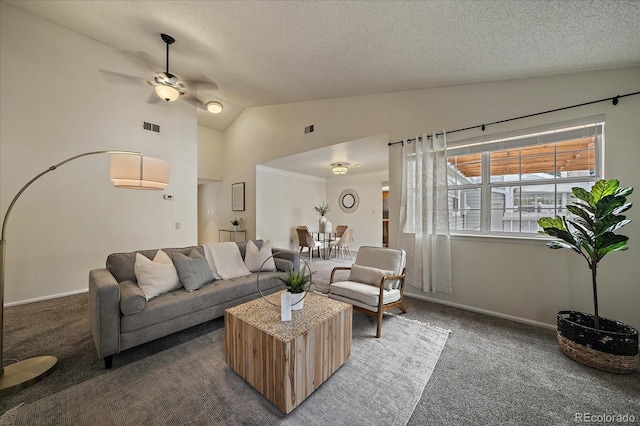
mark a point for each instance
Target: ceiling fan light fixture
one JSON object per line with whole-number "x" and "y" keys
{"x": 167, "y": 93}
{"x": 339, "y": 168}
{"x": 214, "y": 107}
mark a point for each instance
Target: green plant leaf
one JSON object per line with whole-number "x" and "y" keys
{"x": 587, "y": 216}
{"x": 561, "y": 244}
{"x": 583, "y": 195}
{"x": 586, "y": 233}
{"x": 604, "y": 188}
{"x": 623, "y": 192}
{"x": 610, "y": 243}
{"x": 607, "y": 205}
{"x": 583, "y": 205}
{"x": 549, "y": 222}
{"x": 622, "y": 208}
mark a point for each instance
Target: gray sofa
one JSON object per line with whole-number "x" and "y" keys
{"x": 121, "y": 317}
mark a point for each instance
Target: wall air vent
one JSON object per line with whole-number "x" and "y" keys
{"x": 151, "y": 127}
{"x": 308, "y": 129}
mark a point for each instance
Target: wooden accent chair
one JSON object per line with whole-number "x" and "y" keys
{"x": 305, "y": 240}
{"x": 340, "y": 230}
{"x": 342, "y": 243}
{"x": 375, "y": 283}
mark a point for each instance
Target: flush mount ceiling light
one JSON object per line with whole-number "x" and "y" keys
{"x": 339, "y": 168}
{"x": 214, "y": 107}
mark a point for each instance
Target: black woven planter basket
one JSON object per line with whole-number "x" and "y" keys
{"x": 612, "y": 348}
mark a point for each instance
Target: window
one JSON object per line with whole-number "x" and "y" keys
{"x": 504, "y": 186}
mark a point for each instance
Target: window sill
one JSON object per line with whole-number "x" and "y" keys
{"x": 509, "y": 239}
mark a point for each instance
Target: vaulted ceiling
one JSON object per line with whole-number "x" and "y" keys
{"x": 272, "y": 52}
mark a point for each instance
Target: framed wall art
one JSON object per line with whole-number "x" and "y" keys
{"x": 237, "y": 197}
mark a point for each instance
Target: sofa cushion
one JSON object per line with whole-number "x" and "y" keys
{"x": 175, "y": 304}
{"x": 365, "y": 294}
{"x": 259, "y": 257}
{"x": 193, "y": 270}
{"x": 157, "y": 276}
{"x": 369, "y": 275}
{"x": 132, "y": 298}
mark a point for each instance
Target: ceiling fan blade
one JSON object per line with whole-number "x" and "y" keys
{"x": 193, "y": 101}
{"x": 199, "y": 85}
{"x": 116, "y": 77}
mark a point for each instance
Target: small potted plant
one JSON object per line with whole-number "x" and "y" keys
{"x": 236, "y": 224}
{"x": 296, "y": 283}
{"x": 592, "y": 340}
{"x": 322, "y": 210}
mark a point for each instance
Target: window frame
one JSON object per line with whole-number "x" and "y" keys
{"x": 486, "y": 186}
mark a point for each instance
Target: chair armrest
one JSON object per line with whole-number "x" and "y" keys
{"x": 104, "y": 312}
{"x": 338, "y": 268}
{"x": 400, "y": 277}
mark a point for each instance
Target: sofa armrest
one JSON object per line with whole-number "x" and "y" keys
{"x": 290, "y": 256}
{"x": 104, "y": 312}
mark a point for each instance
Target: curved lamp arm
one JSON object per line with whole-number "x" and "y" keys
{"x": 50, "y": 169}
{"x": 27, "y": 372}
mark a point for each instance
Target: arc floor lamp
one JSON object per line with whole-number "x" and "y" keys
{"x": 129, "y": 169}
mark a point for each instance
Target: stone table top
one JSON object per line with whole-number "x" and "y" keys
{"x": 265, "y": 316}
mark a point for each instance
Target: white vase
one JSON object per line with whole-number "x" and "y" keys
{"x": 328, "y": 226}
{"x": 236, "y": 227}
{"x": 297, "y": 301}
{"x": 321, "y": 225}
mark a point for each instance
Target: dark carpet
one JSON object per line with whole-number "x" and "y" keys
{"x": 491, "y": 371}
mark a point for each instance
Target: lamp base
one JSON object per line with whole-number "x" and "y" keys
{"x": 25, "y": 373}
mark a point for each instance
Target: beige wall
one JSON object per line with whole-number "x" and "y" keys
{"x": 520, "y": 279}
{"x": 55, "y": 103}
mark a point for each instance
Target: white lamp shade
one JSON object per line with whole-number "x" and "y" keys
{"x": 139, "y": 172}
{"x": 167, "y": 93}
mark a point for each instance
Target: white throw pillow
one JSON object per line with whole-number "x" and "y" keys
{"x": 369, "y": 275}
{"x": 254, "y": 257}
{"x": 157, "y": 276}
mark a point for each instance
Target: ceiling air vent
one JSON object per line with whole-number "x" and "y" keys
{"x": 151, "y": 127}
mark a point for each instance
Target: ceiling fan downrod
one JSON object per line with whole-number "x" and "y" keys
{"x": 169, "y": 41}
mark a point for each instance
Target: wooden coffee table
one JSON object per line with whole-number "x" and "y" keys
{"x": 287, "y": 361}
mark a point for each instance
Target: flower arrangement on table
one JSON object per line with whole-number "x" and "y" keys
{"x": 322, "y": 209}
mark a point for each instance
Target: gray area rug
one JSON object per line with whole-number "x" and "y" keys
{"x": 191, "y": 384}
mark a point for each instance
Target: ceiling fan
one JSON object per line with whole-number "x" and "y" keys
{"x": 169, "y": 88}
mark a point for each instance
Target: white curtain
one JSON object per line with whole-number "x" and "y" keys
{"x": 424, "y": 213}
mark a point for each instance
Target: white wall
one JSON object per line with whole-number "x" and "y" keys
{"x": 55, "y": 103}
{"x": 366, "y": 220}
{"x": 284, "y": 201}
{"x": 211, "y": 171}
{"x": 524, "y": 280}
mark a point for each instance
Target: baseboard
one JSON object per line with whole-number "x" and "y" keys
{"x": 40, "y": 299}
{"x": 483, "y": 311}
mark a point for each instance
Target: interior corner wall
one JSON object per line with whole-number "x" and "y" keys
{"x": 366, "y": 220}
{"x": 519, "y": 280}
{"x": 56, "y": 102}
{"x": 284, "y": 201}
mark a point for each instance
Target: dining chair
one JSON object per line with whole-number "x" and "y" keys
{"x": 340, "y": 230}
{"x": 342, "y": 243}
{"x": 305, "y": 240}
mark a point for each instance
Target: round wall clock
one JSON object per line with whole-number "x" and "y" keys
{"x": 349, "y": 200}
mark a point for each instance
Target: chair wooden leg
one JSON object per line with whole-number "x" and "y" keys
{"x": 402, "y": 308}
{"x": 379, "y": 329}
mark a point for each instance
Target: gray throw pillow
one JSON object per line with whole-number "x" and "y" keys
{"x": 193, "y": 270}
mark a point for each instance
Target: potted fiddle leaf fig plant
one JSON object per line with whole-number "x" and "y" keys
{"x": 296, "y": 283}
{"x": 592, "y": 340}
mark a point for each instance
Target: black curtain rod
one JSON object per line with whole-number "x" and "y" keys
{"x": 614, "y": 100}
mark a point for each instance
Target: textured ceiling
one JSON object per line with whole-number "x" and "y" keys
{"x": 271, "y": 52}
